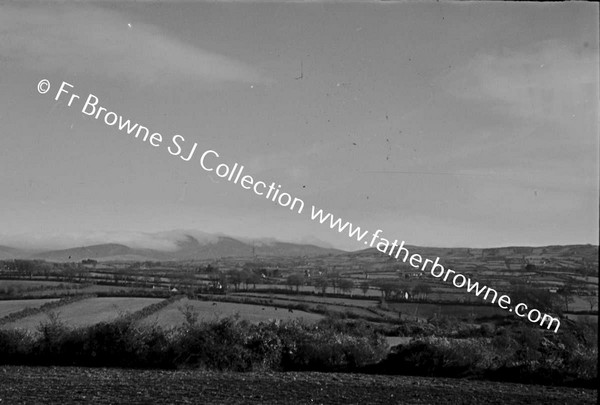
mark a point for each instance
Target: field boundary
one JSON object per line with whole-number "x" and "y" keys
{"x": 153, "y": 308}
{"x": 26, "y": 312}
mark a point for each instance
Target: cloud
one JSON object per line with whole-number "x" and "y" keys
{"x": 164, "y": 241}
{"x": 84, "y": 39}
{"x": 550, "y": 80}
{"x": 313, "y": 240}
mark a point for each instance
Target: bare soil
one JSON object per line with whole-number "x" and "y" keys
{"x": 72, "y": 385}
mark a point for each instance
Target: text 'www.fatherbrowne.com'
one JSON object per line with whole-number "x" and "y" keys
{"x": 458, "y": 280}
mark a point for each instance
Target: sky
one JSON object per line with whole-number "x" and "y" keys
{"x": 440, "y": 123}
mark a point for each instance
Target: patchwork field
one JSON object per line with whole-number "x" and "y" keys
{"x": 29, "y": 284}
{"x": 315, "y": 298}
{"x": 10, "y": 306}
{"x": 87, "y": 312}
{"x": 355, "y": 307}
{"x": 209, "y": 310}
{"x": 417, "y": 310}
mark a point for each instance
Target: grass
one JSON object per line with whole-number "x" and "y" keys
{"x": 8, "y": 307}
{"x": 580, "y": 304}
{"x": 583, "y": 318}
{"x": 397, "y": 340}
{"x": 208, "y": 310}
{"x": 88, "y": 312}
{"x": 412, "y": 309}
{"x": 32, "y": 283}
{"x": 316, "y": 298}
{"x": 316, "y": 305}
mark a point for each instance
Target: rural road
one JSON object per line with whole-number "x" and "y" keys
{"x": 72, "y": 385}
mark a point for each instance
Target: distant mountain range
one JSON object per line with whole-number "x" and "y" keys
{"x": 188, "y": 247}
{"x": 11, "y": 253}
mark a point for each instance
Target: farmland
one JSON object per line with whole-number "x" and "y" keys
{"x": 67, "y": 385}
{"x": 349, "y": 311}
{"x": 8, "y": 307}
{"x": 367, "y": 285}
{"x": 87, "y": 312}
{"x": 172, "y": 315}
{"x": 95, "y": 310}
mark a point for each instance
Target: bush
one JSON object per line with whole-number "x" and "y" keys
{"x": 329, "y": 346}
{"x": 15, "y": 346}
{"x": 482, "y": 331}
{"x": 523, "y": 354}
{"x": 440, "y": 357}
{"x": 216, "y": 345}
{"x": 227, "y": 344}
{"x": 52, "y": 335}
{"x": 519, "y": 354}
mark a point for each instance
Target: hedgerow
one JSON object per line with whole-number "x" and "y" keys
{"x": 226, "y": 344}
{"x": 518, "y": 353}
{"x": 49, "y": 306}
{"x": 522, "y": 354}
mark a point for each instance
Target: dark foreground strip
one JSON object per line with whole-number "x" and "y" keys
{"x": 72, "y": 385}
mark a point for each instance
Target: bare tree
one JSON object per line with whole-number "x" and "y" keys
{"x": 235, "y": 277}
{"x": 592, "y": 300}
{"x": 387, "y": 287}
{"x": 422, "y": 290}
{"x": 295, "y": 280}
{"x": 334, "y": 279}
{"x": 346, "y": 285}
{"x": 364, "y": 286}
{"x": 567, "y": 293}
{"x": 321, "y": 283}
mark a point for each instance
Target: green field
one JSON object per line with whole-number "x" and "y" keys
{"x": 316, "y": 303}
{"x": 33, "y": 284}
{"x": 210, "y": 310}
{"x": 10, "y": 306}
{"x": 87, "y": 312}
{"x": 426, "y": 311}
{"x": 315, "y": 298}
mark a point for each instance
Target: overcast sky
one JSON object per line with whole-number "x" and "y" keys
{"x": 442, "y": 124}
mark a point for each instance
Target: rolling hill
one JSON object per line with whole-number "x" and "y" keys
{"x": 187, "y": 249}
{"x": 12, "y": 253}
{"x": 199, "y": 246}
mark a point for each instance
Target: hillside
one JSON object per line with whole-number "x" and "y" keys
{"x": 500, "y": 259}
{"x": 11, "y": 253}
{"x": 189, "y": 248}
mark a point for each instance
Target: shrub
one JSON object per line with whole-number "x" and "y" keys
{"x": 328, "y": 346}
{"x": 218, "y": 345}
{"x": 523, "y": 354}
{"x": 440, "y": 357}
{"x": 52, "y": 335}
{"x": 15, "y": 345}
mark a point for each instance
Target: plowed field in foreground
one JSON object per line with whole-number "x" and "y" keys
{"x": 53, "y": 385}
